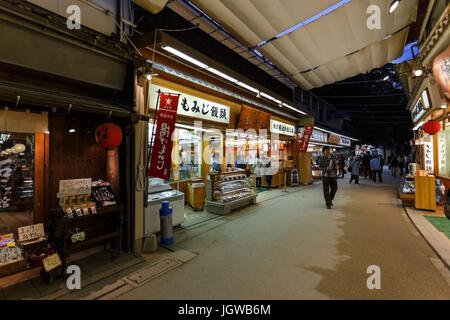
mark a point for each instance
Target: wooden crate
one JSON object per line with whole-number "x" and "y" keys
{"x": 13, "y": 267}
{"x": 196, "y": 196}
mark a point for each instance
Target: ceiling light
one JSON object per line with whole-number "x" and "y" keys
{"x": 418, "y": 72}
{"x": 444, "y": 105}
{"x": 246, "y": 86}
{"x": 393, "y": 6}
{"x": 72, "y": 130}
{"x": 185, "y": 57}
{"x": 385, "y": 78}
{"x": 150, "y": 75}
{"x": 221, "y": 74}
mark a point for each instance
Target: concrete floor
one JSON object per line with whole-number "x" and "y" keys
{"x": 292, "y": 247}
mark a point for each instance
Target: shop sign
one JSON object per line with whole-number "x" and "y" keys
{"x": 441, "y": 70}
{"x": 345, "y": 142}
{"x": 422, "y": 104}
{"x": 32, "y": 232}
{"x": 442, "y": 153}
{"x": 51, "y": 262}
{"x": 194, "y": 107}
{"x": 74, "y": 187}
{"x": 428, "y": 154}
{"x": 307, "y": 133}
{"x": 334, "y": 138}
{"x": 281, "y": 128}
{"x": 161, "y": 157}
{"x": 253, "y": 119}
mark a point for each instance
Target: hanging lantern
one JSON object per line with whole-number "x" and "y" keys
{"x": 432, "y": 127}
{"x": 108, "y": 135}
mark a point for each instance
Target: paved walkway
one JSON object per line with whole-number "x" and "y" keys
{"x": 292, "y": 247}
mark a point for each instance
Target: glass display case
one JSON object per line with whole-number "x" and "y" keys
{"x": 407, "y": 185}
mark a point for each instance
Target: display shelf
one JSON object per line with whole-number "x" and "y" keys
{"x": 223, "y": 208}
{"x": 101, "y": 227}
{"x": 215, "y": 197}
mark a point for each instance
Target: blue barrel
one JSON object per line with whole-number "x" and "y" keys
{"x": 165, "y": 215}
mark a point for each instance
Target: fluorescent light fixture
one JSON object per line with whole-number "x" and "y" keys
{"x": 246, "y": 86}
{"x": 393, "y": 6}
{"x": 419, "y": 125}
{"x": 185, "y": 57}
{"x": 265, "y": 95}
{"x": 292, "y": 108}
{"x": 221, "y": 74}
{"x": 418, "y": 72}
{"x": 335, "y": 133}
{"x": 178, "y": 125}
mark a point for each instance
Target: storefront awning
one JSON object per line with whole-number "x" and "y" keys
{"x": 333, "y": 47}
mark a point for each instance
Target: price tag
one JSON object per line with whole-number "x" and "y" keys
{"x": 51, "y": 262}
{"x": 32, "y": 232}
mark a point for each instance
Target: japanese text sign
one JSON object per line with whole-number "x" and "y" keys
{"x": 193, "y": 106}
{"x": 32, "y": 232}
{"x": 161, "y": 157}
{"x": 74, "y": 187}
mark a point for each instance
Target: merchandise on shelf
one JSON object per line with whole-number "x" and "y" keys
{"x": 407, "y": 186}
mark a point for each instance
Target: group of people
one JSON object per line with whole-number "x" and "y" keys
{"x": 398, "y": 165}
{"x": 369, "y": 166}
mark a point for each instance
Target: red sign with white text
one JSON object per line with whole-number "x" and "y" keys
{"x": 161, "y": 158}
{"x": 307, "y": 132}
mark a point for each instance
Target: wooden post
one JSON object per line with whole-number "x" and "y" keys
{"x": 285, "y": 181}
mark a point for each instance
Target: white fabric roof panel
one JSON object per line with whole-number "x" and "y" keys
{"x": 340, "y": 33}
{"x": 254, "y": 21}
{"x": 373, "y": 56}
{"x": 328, "y": 39}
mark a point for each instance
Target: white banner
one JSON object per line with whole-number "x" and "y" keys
{"x": 281, "y": 128}
{"x": 194, "y": 107}
{"x": 429, "y": 158}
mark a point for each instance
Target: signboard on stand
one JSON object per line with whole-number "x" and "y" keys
{"x": 161, "y": 157}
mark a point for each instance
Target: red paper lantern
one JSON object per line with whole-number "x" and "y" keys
{"x": 432, "y": 127}
{"x": 108, "y": 135}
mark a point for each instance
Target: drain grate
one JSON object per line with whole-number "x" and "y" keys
{"x": 155, "y": 270}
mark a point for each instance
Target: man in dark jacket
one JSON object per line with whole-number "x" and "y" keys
{"x": 329, "y": 176}
{"x": 366, "y": 165}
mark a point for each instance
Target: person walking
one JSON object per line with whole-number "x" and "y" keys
{"x": 401, "y": 165}
{"x": 257, "y": 171}
{"x": 394, "y": 166}
{"x": 329, "y": 176}
{"x": 354, "y": 167}
{"x": 366, "y": 165}
{"x": 376, "y": 169}
{"x": 341, "y": 164}
{"x": 266, "y": 170}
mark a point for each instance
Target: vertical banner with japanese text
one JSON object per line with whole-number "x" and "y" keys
{"x": 307, "y": 132}
{"x": 166, "y": 117}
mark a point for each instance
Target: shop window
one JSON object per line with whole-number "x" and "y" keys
{"x": 186, "y": 154}
{"x": 16, "y": 181}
